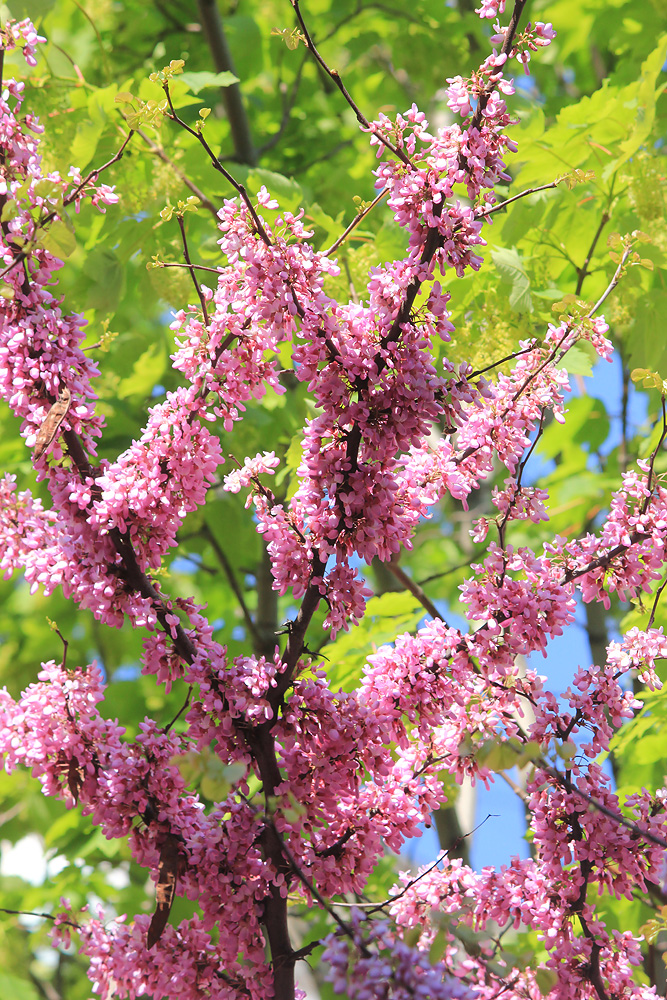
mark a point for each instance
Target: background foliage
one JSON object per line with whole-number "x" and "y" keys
{"x": 594, "y": 110}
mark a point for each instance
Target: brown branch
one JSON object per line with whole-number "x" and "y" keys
{"x": 214, "y": 33}
{"x": 158, "y": 151}
{"x": 296, "y": 636}
{"x": 180, "y": 711}
{"x": 132, "y": 572}
{"x": 582, "y": 272}
{"x": 433, "y": 242}
{"x": 355, "y": 222}
{"x": 274, "y": 918}
{"x": 266, "y": 615}
{"x": 334, "y": 75}
{"x": 217, "y": 165}
{"x": 409, "y": 584}
{"x": 602, "y": 562}
{"x": 592, "y": 970}
{"x": 186, "y": 254}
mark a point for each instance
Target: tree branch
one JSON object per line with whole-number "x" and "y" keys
{"x": 158, "y": 151}
{"x": 335, "y": 76}
{"x": 409, "y": 584}
{"x": 516, "y": 197}
{"x": 231, "y": 577}
{"x": 186, "y": 254}
{"x": 266, "y": 616}
{"x": 217, "y": 165}
{"x": 214, "y": 33}
{"x": 355, "y": 222}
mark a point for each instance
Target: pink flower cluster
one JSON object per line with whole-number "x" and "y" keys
{"x": 386, "y": 967}
{"x": 133, "y": 789}
{"x": 147, "y": 493}
{"x": 21, "y": 34}
{"x": 532, "y": 38}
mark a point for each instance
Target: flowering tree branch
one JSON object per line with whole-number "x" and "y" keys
{"x": 325, "y": 781}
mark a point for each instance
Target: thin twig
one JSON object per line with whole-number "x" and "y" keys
{"x": 568, "y": 329}
{"x": 335, "y": 76}
{"x": 231, "y": 577}
{"x": 612, "y": 284}
{"x": 509, "y": 357}
{"x": 355, "y": 222}
{"x": 447, "y": 572}
{"x": 217, "y": 165}
{"x": 414, "y": 589}
{"x": 649, "y": 480}
{"x": 186, "y": 254}
{"x": 64, "y": 642}
{"x": 502, "y": 524}
{"x": 180, "y": 711}
{"x": 45, "y": 916}
{"x": 427, "y": 871}
{"x": 522, "y": 194}
{"x": 658, "y": 595}
{"x": 563, "y": 780}
{"x": 312, "y": 889}
{"x": 582, "y": 271}
{"x": 192, "y": 267}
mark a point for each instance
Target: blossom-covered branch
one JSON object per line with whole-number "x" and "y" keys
{"x": 321, "y": 781}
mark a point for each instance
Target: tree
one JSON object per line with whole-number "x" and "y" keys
{"x": 263, "y": 771}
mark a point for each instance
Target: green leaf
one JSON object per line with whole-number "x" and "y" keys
{"x": 546, "y": 979}
{"x": 84, "y": 147}
{"x": 200, "y": 81}
{"x": 146, "y": 373}
{"x": 58, "y": 239}
{"x": 580, "y": 359}
{"x": 510, "y": 265}
{"x": 10, "y": 210}
{"x": 645, "y": 348}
